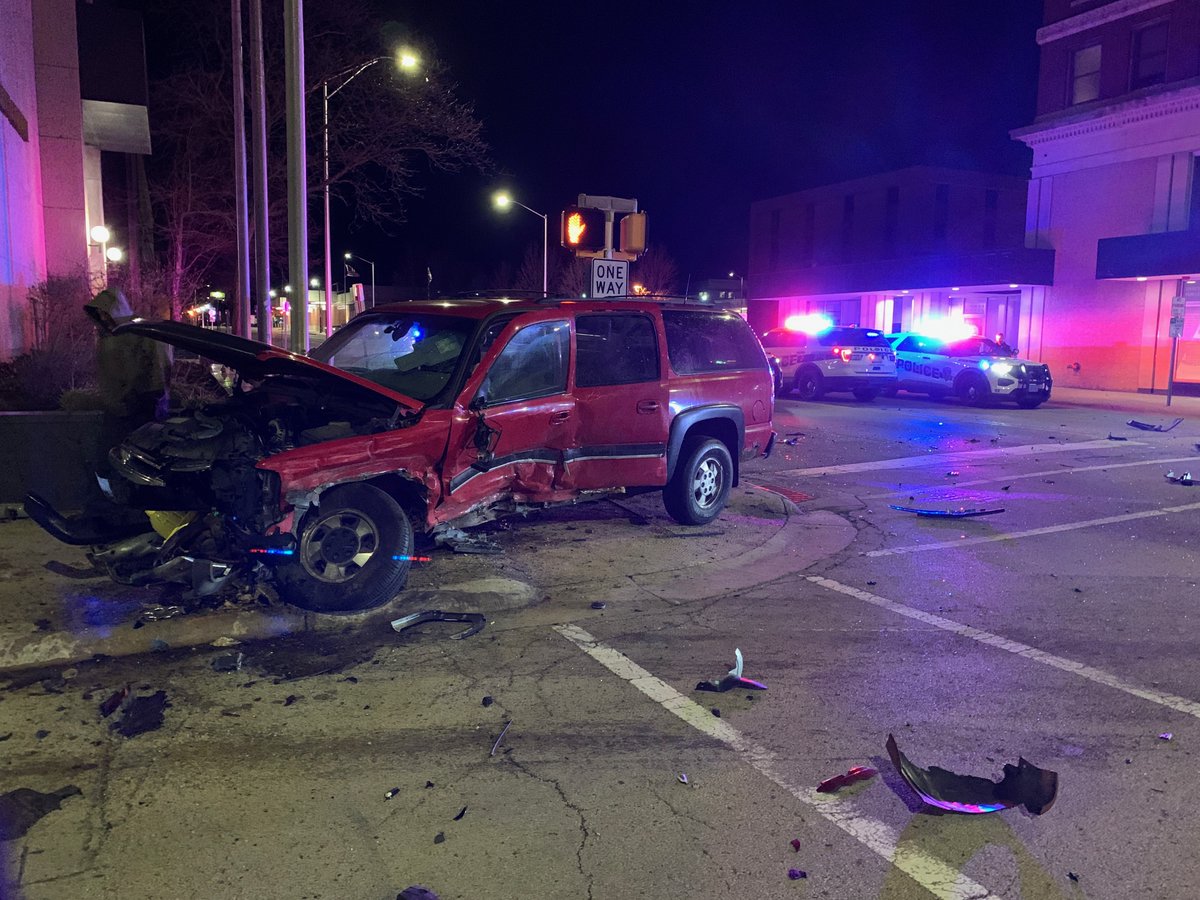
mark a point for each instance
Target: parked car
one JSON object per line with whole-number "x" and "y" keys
{"x": 423, "y": 417}
{"x": 859, "y": 360}
{"x": 976, "y": 369}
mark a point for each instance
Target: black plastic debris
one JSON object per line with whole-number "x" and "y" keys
{"x": 961, "y": 513}
{"x": 113, "y": 703}
{"x": 733, "y": 680}
{"x": 1073, "y": 876}
{"x": 21, "y": 808}
{"x": 488, "y": 701}
{"x": 462, "y": 812}
{"x": 1113, "y": 437}
{"x": 598, "y": 604}
{"x": 1185, "y": 479}
{"x": 683, "y": 778}
{"x": 142, "y": 714}
{"x": 716, "y": 712}
{"x": 797, "y": 874}
{"x": 416, "y": 892}
{"x": 477, "y": 620}
{"x": 1023, "y": 785}
{"x": 461, "y": 542}
{"x": 392, "y": 793}
{"x": 1146, "y": 426}
{"x": 228, "y": 662}
{"x": 440, "y": 837}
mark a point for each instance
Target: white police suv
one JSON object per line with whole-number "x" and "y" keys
{"x": 831, "y": 358}
{"x": 976, "y": 369}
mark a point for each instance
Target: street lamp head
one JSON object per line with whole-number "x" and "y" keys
{"x": 114, "y": 254}
{"x": 348, "y": 255}
{"x": 502, "y": 200}
{"x": 314, "y": 282}
{"x": 406, "y": 59}
{"x": 287, "y": 288}
{"x": 99, "y": 234}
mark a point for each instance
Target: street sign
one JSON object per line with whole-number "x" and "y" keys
{"x": 610, "y": 278}
{"x": 1177, "y": 306}
{"x": 1176, "y": 327}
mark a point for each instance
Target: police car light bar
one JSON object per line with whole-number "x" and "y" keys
{"x": 809, "y": 323}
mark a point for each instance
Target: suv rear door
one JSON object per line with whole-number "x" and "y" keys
{"x": 621, "y": 401}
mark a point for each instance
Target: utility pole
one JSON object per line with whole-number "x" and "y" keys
{"x": 262, "y": 233}
{"x": 241, "y": 291}
{"x": 293, "y": 21}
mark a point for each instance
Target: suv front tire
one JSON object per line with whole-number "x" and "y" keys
{"x": 699, "y": 489}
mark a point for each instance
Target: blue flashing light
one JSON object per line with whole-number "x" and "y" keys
{"x": 273, "y": 551}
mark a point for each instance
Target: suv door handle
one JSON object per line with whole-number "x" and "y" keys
{"x": 559, "y": 417}
{"x": 647, "y": 406}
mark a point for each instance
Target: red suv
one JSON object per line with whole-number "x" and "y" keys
{"x": 426, "y": 416}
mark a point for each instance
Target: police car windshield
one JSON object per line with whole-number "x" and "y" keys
{"x": 857, "y": 337}
{"x": 974, "y": 347}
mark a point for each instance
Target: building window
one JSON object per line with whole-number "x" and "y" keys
{"x": 808, "y": 235}
{"x": 991, "y": 203}
{"x": 847, "y": 224}
{"x": 1149, "y": 56}
{"x": 891, "y": 218}
{"x": 773, "y": 241}
{"x": 1085, "y": 74}
{"x": 941, "y": 212}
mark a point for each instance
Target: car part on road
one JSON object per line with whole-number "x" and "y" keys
{"x": 1113, "y": 437}
{"x": 1166, "y": 736}
{"x": 416, "y": 892}
{"x": 504, "y": 731}
{"x": 598, "y": 604}
{"x": 1023, "y": 785}
{"x": 1185, "y": 479}
{"x": 461, "y": 542}
{"x": 462, "y": 812}
{"x": 1146, "y": 426}
{"x": 142, "y": 714}
{"x": 113, "y": 703}
{"x": 960, "y": 513}
{"x": 477, "y": 620}
{"x": 683, "y": 779}
{"x": 21, "y": 808}
{"x": 797, "y": 874}
{"x": 855, "y": 775}
{"x": 733, "y": 680}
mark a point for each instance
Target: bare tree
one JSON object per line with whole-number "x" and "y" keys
{"x": 386, "y": 127}
{"x": 656, "y": 272}
{"x": 529, "y": 275}
{"x": 571, "y": 277}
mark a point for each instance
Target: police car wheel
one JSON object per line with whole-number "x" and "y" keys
{"x": 865, "y": 395}
{"x": 810, "y": 385}
{"x": 1029, "y": 402}
{"x": 974, "y": 390}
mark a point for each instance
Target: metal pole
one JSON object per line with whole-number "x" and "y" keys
{"x": 258, "y": 110}
{"x": 325, "y": 192}
{"x": 545, "y": 255}
{"x": 293, "y": 21}
{"x": 1171, "y": 370}
{"x": 372, "y": 285}
{"x": 242, "y": 229}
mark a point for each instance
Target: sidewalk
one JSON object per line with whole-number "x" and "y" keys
{"x": 1127, "y": 401}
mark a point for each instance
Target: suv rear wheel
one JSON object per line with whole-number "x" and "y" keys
{"x": 810, "y": 384}
{"x": 346, "y": 554}
{"x": 699, "y": 489}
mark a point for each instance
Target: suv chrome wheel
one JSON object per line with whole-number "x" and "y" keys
{"x": 706, "y": 485}
{"x": 699, "y": 489}
{"x": 338, "y": 546}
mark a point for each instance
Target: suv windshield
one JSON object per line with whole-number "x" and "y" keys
{"x": 414, "y": 355}
{"x": 858, "y": 337}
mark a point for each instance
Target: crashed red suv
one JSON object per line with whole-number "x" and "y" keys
{"x": 426, "y": 416}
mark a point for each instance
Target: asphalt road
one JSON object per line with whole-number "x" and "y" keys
{"x": 1060, "y": 630}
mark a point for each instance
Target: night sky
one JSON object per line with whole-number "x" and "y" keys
{"x": 698, "y": 109}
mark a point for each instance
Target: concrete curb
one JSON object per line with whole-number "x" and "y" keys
{"x": 790, "y": 548}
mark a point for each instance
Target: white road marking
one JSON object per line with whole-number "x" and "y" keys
{"x": 1171, "y": 701}
{"x": 1061, "y": 470}
{"x": 928, "y": 871}
{"x": 1033, "y": 532}
{"x": 958, "y": 457}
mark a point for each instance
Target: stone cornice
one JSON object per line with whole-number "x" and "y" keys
{"x": 1107, "y": 118}
{"x": 1110, "y": 12}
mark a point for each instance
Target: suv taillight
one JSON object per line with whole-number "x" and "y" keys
{"x": 843, "y": 354}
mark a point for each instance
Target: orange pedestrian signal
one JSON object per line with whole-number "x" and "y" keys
{"x": 583, "y": 228}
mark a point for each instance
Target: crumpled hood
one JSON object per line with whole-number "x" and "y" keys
{"x": 255, "y": 360}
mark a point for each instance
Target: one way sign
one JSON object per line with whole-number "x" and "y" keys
{"x": 610, "y": 278}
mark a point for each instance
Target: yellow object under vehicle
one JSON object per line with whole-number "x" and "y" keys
{"x": 167, "y": 522}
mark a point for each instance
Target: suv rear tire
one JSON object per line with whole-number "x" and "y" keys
{"x": 699, "y": 489}
{"x": 810, "y": 384}
{"x": 345, "y": 556}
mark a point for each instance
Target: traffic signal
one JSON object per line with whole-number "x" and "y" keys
{"x": 633, "y": 233}
{"x": 583, "y": 229}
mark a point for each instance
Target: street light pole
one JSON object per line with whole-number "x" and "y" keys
{"x": 405, "y": 60}
{"x": 502, "y": 200}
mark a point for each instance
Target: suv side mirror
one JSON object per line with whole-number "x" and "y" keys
{"x": 478, "y": 403}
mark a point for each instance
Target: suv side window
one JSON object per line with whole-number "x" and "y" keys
{"x": 783, "y": 337}
{"x": 533, "y": 364}
{"x": 915, "y": 344}
{"x": 621, "y": 348}
{"x": 710, "y": 342}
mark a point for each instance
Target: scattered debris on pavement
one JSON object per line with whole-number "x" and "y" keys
{"x": 21, "y": 808}
{"x": 855, "y": 775}
{"x": 1113, "y": 437}
{"x": 228, "y": 662}
{"x": 461, "y": 542}
{"x": 796, "y": 844}
{"x": 477, "y": 620}
{"x": 683, "y": 779}
{"x": 142, "y": 714}
{"x": 1146, "y": 426}
{"x": 488, "y": 701}
{"x": 797, "y": 874}
{"x": 440, "y": 837}
{"x": 1166, "y": 736}
{"x": 1073, "y": 876}
{"x": 496, "y": 745}
{"x": 416, "y": 892}
{"x": 1185, "y": 479}
{"x": 113, "y": 703}
{"x": 716, "y": 712}
{"x": 733, "y": 680}
{"x": 1023, "y": 785}
{"x": 79, "y": 573}
{"x": 961, "y": 513}
{"x": 462, "y": 812}
{"x": 598, "y": 604}
{"x": 953, "y": 473}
